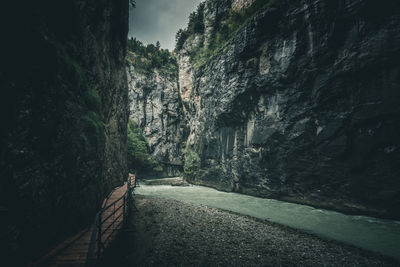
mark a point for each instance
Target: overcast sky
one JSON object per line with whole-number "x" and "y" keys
{"x": 159, "y": 20}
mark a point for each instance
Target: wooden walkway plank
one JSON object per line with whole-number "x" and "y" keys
{"x": 72, "y": 252}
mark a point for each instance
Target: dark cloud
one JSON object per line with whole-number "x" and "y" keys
{"x": 159, "y": 20}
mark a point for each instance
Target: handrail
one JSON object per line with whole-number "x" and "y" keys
{"x": 113, "y": 203}
{"x": 112, "y": 213}
{"x": 100, "y": 237}
{"x": 90, "y": 254}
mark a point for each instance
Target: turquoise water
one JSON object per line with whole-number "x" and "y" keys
{"x": 365, "y": 232}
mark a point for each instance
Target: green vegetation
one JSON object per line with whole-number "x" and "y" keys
{"x": 147, "y": 58}
{"x": 195, "y": 26}
{"x": 93, "y": 100}
{"x": 65, "y": 54}
{"x": 88, "y": 111}
{"x": 224, "y": 31}
{"x": 192, "y": 162}
{"x": 139, "y": 157}
{"x": 94, "y": 121}
{"x": 92, "y": 135}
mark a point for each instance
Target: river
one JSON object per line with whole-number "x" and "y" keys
{"x": 370, "y": 233}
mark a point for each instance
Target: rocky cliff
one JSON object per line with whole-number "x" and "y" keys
{"x": 298, "y": 100}
{"x": 64, "y": 111}
{"x": 156, "y": 107}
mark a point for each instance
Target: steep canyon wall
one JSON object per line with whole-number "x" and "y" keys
{"x": 294, "y": 100}
{"x": 302, "y": 104}
{"x": 156, "y": 107}
{"x": 64, "y": 110}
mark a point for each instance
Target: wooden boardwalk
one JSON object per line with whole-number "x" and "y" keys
{"x": 74, "y": 250}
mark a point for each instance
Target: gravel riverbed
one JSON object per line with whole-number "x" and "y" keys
{"x": 163, "y": 232}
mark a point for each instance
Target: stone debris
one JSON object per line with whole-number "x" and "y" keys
{"x": 172, "y": 233}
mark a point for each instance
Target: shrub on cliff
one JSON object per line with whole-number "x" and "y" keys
{"x": 192, "y": 162}
{"x": 147, "y": 58}
{"x": 195, "y": 26}
{"x": 196, "y": 20}
{"x": 224, "y": 30}
{"x": 180, "y": 39}
{"x": 139, "y": 157}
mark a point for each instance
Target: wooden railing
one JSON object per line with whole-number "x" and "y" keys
{"x": 107, "y": 222}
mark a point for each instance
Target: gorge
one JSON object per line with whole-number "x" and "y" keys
{"x": 293, "y": 101}
{"x": 64, "y": 111}
{"x": 296, "y": 101}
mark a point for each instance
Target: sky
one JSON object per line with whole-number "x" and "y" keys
{"x": 159, "y": 20}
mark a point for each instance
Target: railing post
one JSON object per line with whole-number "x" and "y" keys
{"x": 124, "y": 210}
{"x": 134, "y": 185}
{"x": 97, "y": 227}
{"x": 92, "y": 244}
{"x": 99, "y": 237}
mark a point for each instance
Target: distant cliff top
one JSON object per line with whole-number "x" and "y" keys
{"x": 145, "y": 59}
{"x": 214, "y": 25}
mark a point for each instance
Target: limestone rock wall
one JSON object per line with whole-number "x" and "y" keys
{"x": 240, "y": 4}
{"x": 302, "y": 105}
{"x": 156, "y": 107}
{"x": 64, "y": 111}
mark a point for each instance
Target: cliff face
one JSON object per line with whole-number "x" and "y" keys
{"x": 302, "y": 104}
{"x": 156, "y": 107}
{"x": 64, "y": 109}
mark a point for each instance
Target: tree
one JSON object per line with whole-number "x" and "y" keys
{"x": 178, "y": 35}
{"x": 151, "y": 56}
{"x": 165, "y": 56}
{"x": 132, "y": 44}
{"x": 139, "y": 157}
{"x": 196, "y": 20}
{"x": 180, "y": 38}
{"x": 192, "y": 162}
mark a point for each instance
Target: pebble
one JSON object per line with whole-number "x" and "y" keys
{"x": 196, "y": 235}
